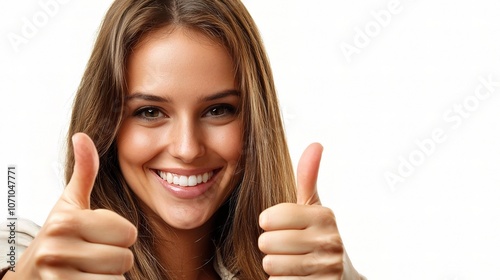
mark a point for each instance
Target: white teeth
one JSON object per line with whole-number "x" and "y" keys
{"x": 192, "y": 181}
{"x": 185, "y": 181}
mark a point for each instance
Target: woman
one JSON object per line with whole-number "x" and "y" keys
{"x": 190, "y": 175}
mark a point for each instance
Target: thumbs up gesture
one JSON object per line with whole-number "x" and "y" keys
{"x": 75, "y": 241}
{"x": 301, "y": 241}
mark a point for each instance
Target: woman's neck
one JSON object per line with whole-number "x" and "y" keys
{"x": 187, "y": 254}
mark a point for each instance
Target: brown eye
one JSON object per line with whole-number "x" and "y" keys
{"x": 221, "y": 110}
{"x": 149, "y": 113}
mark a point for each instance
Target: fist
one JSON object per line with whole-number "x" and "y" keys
{"x": 301, "y": 240}
{"x": 75, "y": 241}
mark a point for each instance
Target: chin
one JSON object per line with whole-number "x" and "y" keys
{"x": 185, "y": 218}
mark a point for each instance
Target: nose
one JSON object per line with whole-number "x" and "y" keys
{"x": 186, "y": 141}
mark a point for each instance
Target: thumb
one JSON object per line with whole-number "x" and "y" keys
{"x": 85, "y": 170}
{"x": 307, "y": 175}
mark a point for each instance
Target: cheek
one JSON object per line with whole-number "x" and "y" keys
{"x": 230, "y": 143}
{"x": 135, "y": 146}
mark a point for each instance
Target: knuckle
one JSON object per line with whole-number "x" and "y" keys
{"x": 105, "y": 212}
{"x": 132, "y": 235}
{"x": 307, "y": 266}
{"x": 267, "y": 264}
{"x": 115, "y": 220}
{"x": 334, "y": 263}
{"x": 263, "y": 242}
{"x": 327, "y": 262}
{"x": 325, "y": 217}
{"x": 128, "y": 261}
{"x": 330, "y": 243}
{"x": 48, "y": 255}
{"x": 61, "y": 223}
{"x": 264, "y": 219}
{"x": 53, "y": 274}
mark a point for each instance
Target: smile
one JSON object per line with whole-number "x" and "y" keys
{"x": 185, "y": 181}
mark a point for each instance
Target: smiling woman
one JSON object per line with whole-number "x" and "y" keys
{"x": 185, "y": 129}
{"x": 177, "y": 166}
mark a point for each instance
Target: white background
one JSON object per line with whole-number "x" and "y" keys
{"x": 368, "y": 109}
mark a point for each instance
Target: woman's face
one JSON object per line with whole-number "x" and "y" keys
{"x": 181, "y": 138}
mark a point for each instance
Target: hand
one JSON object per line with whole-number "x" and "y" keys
{"x": 301, "y": 241}
{"x": 76, "y": 242}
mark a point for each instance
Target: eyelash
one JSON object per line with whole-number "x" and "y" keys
{"x": 229, "y": 111}
{"x": 141, "y": 111}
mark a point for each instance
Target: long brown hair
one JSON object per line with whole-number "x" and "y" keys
{"x": 98, "y": 107}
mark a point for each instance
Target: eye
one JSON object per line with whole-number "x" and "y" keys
{"x": 149, "y": 113}
{"x": 221, "y": 110}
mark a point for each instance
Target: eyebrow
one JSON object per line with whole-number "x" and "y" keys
{"x": 220, "y": 95}
{"x": 147, "y": 97}
{"x": 156, "y": 98}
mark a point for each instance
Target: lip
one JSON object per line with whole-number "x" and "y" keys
{"x": 187, "y": 192}
{"x": 188, "y": 172}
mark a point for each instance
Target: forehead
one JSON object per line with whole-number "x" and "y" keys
{"x": 179, "y": 58}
